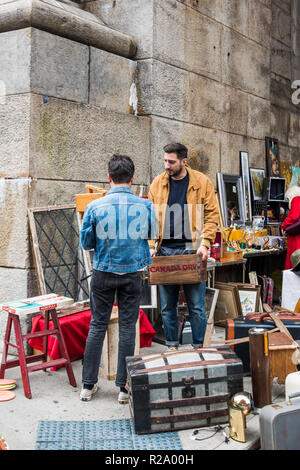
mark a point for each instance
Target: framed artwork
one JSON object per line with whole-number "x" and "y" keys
{"x": 249, "y": 298}
{"x": 286, "y": 172}
{"x": 149, "y": 296}
{"x": 257, "y": 180}
{"x": 231, "y": 199}
{"x": 272, "y": 154}
{"x": 228, "y": 303}
{"x": 244, "y": 168}
{"x": 295, "y": 180}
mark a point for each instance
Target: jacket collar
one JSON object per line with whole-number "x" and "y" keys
{"x": 120, "y": 189}
{"x": 193, "y": 180}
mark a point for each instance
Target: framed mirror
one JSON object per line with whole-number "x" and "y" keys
{"x": 231, "y": 199}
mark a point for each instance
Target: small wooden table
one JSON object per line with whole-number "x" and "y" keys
{"x": 46, "y": 304}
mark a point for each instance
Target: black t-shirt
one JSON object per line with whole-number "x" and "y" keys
{"x": 176, "y": 228}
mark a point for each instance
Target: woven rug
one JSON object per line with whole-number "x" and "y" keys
{"x": 115, "y": 434}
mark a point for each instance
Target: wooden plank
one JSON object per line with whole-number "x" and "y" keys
{"x": 181, "y": 269}
{"x": 277, "y": 321}
{"x": 36, "y": 253}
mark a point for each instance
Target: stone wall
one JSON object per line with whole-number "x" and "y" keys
{"x": 215, "y": 75}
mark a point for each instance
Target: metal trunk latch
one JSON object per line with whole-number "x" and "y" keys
{"x": 188, "y": 391}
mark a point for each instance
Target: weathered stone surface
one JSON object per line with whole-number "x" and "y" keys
{"x": 246, "y": 64}
{"x": 259, "y": 117}
{"x": 37, "y": 61}
{"x": 134, "y": 17}
{"x": 281, "y": 25}
{"x": 281, "y": 59}
{"x": 260, "y": 21}
{"x": 14, "y": 135}
{"x": 73, "y": 142}
{"x": 281, "y": 93}
{"x": 64, "y": 20}
{"x": 187, "y": 39}
{"x": 231, "y": 146}
{"x": 279, "y": 124}
{"x": 112, "y": 82}
{"x": 171, "y": 92}
{"x": 202, "y": 143}
{"x": 232, "y": 13}
{"x": 294, "y": 130}
{"x": 14, "y": 241}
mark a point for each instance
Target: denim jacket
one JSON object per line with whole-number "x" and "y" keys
{"x": 117, "y": 227}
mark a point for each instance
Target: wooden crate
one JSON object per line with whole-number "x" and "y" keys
{"x": 109, "y": 358}
{"x": 180, "y": 269}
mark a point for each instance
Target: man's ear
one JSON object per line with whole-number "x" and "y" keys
{"x": 184, "y": 161}
{"x": 109, "y": 178}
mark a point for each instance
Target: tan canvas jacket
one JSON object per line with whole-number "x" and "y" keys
{"x": 202, "y": 207}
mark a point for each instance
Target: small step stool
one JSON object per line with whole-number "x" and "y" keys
{"x": 46, "y": 304}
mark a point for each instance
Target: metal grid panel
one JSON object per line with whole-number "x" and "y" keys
{"x": 57, "y": 252}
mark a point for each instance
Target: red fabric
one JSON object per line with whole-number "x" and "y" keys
{"x": 293, "y": 242}
{"x": 75, "y": 329}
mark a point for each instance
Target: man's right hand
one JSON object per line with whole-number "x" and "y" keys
{"x": 152, "y": 252}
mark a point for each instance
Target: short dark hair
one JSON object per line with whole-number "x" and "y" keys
{"x": 121, "y": 168}
{"x": 175, "y": 147}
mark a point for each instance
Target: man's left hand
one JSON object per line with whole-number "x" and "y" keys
{"x": 203, "y": 251}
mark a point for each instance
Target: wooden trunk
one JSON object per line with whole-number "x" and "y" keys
{"x": 109, "y": 357}
{"x": 180, "y": 269}
{"x": 183, "y": 389}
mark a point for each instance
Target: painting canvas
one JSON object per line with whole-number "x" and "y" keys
{"x": 272, "y": 153}
{"x": 249, "y": 298}
{"x": 286, "y": 172}
{"x": 257, "y": 179}
{"x": 295, "y": 181}
{"x": 246, "y": 184}
{"x": 228, "y": 304}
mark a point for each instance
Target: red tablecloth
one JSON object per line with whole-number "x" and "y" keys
{"x": 75, "y": 329}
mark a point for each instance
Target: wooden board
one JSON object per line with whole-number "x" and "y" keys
{"x": 82, "y": 200}
{"x": 181, "y": 269}
{"x": 109, "y": 357}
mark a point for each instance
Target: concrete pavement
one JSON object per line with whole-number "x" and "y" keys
{"x": 54, "y": 399}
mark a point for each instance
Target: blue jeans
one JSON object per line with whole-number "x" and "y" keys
{"x": 195, "y": 299}
{"x": 104, "y": 286}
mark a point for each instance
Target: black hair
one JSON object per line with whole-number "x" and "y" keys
{"x": 175, "y": 147}
{"x": 121, "y": 169}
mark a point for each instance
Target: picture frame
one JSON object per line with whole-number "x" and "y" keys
{"x": 149, "y": 296}
{"x": 295, "y": 180}
{"x": 272, "y": 156}
{"x": 228, "y": 303}
{"x": 257, "y": 183}
{"x": 244, "y": 170}
{"x": 286, "y": 172}
{"x": 249, "y": 298}
{"x": 231, "y": 199}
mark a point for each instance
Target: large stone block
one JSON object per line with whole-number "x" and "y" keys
{"x": 202, "y": 143}
{"x": 36, "y": 61}
{"x": 260, "y": 21}
{"x": 231, "y": 146}
{"x": 294, "y": 130}
{"x": 14, "y": 240}
{"x": 279, "y": 124}
{"x": 168, "y": 91}
{"x": 232, "y": 13}
{"x": 281, "y": 25}
{"x": 281, "y": 59}
{"x": 112, "y": 82}
{"x": 74, "y": 142}
{"x": 187, "y": 39}
{"x": 246, "y": 64}
{"x": 134, "y": 17}
{"x": 14, "y": 135}
{"x": 259, "y": 117}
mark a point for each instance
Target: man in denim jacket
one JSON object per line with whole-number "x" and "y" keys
{"x": 117, "y": 228}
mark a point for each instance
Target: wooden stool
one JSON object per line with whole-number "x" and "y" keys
{"x": 48, "y": 305}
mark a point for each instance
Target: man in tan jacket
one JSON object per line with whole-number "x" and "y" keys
{"x": 186, "y": 207}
